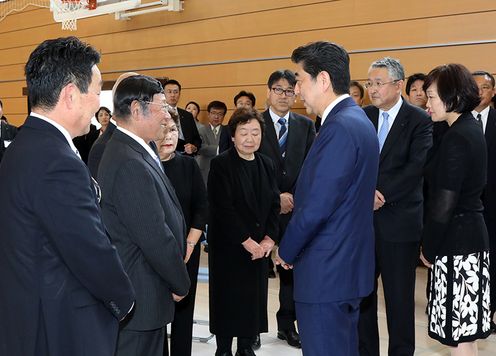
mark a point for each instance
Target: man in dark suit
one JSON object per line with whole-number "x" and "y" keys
{"x": 330, "y": 237}
{"x": 64, "y": 288}
{"x": 487, "y": 116}
{"x": 189, "y": 139}
{"x": 7, "y": 132}
{"x": 287, "y": 139}
{"x": 96, "y": 151}
{"x": 143, "y": 215}
{"x": 405, "y": 136}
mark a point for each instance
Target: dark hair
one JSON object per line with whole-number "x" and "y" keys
{"x": 104, "y": 108}
{"x": 1, "y": 104}
{"x": 354, "y": 83}
{"x": 195, "y": 104}
{"x": 56, "y": 63}
{"x": 172, "y": 82}
{"x": 217, "y": 105}
{"x": 138, "y": 87}
{"x": 483, "y": 74}
{"x": 412, "y": 79}
{"x": 456, "y": 87}
{"x": 247, "y": 94}
{"x": 242, "y": 116}
{"x": 329, "y": 57}
{"x": 282, "y": 74}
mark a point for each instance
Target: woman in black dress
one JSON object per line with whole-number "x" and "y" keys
{"x": 185, "y": 176}
{"x": 243, "y": 223}
{"x": 455, "y": 242}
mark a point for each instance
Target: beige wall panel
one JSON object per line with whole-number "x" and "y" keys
{"x": 11, "y": 89}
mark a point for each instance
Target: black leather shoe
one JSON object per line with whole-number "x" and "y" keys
{"x": 245, "y": 352}
{"x": 227, "y": 353}
{"x": 291, "y": 337}
{"x": 256, "y": 343}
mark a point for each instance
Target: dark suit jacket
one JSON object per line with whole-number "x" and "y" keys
{"x": 489, "y": 196}
{"x": 144, "y": 221}
{"x": 401, "y": 165}
{"x": 63, "y": 285}
{"x": 330, "y": 238}
{"x": 456, "y": 175}
{"x": 301, "y": 135}
{"x": 83, "y": 143}
{"x": 238, "y": 285}
{"x": 96, "y": 151}
{"x": 190, "y": 132}
{"x": 208, "y": 150}
{"x": 225, "y": 139}
{"x": 8, "y": 133}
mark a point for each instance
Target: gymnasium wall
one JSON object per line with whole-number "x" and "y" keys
{"x": 216, "y": 48}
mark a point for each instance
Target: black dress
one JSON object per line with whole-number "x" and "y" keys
{"x": 185, "y": 176}
{"x": 243, "y": 202}
{"x": 455, "y": 238}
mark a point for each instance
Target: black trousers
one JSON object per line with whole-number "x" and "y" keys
{"x": 133, "y": 343}
{"x": 395, "y": 263}
{"x": 286, "y": 315}
{"x": 182, "y": 325}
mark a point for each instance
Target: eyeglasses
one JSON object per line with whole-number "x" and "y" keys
{"x": 287, "y": 92}
{"x": 217, "y": 113}
{"x": 378, "y": 85}
{"x": 164, "y": 106}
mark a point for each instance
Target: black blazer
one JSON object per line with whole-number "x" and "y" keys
{"x": 144, "y": 221}
{"x": 456, "y": 176}
{"x": 83, "y": 143}
{"x": 189, "y": 129}
{"x": 400, "y": 178}
{"x": 489, "y": 195}
{"x": 96, "y": 151}
{"x": 7, "y": 133}
{"x": 61, "y": 279}
{"x": 301, "y": 135}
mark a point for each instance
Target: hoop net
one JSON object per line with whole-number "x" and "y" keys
{"x": 70, "y": 8}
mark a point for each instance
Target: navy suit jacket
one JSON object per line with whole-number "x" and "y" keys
{"x": 330, "y": 238}
{"x": 63, "y": 287}
{"x": 145, "y": 222}
{"x": 96, "y": 151}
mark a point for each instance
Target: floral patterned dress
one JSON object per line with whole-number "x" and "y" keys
{"x": 455, "y": 238}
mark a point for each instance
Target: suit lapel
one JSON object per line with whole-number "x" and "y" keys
{"x": 272, "y": 139}
{"x": 490, "y": 127}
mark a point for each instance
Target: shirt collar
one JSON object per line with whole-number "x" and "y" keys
{"x": 331, "y": 106}
{"x": 275, "y": 118}
{"x": 138, "y": 139}
{"x": 58, "y": 127}
{"x": 393, "y": 111}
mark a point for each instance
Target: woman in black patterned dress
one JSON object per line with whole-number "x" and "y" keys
{"x": 455, "y": 241}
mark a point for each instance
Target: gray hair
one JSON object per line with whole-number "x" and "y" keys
{"x": 394, "y": 67}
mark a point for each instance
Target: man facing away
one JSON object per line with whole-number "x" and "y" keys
{"x": 63, "y": 286}
{"x": 143, "y": 215}
{"x": 404, "y": 132}
{"x": 330, "y": 238}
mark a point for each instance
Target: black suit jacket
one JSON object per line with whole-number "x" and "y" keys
{"x": 189, "y": 129}
{"x": 489, "y": 195}
{"x": 144, "y": 221}
{"x": 301, "y": 134}
{"x": 401, "y": 165}
{"x": 83, "y": 143}
{"x": 7, "y": 133}
{"x": 63, "y": 286}
{"x": 96, "y": 151}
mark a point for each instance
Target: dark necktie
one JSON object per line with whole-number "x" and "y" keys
{"x": 283, "y": 135}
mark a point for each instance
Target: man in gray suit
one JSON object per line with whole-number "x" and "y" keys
{"x": 143, "y": 215}
{"x": 210, "y": 135}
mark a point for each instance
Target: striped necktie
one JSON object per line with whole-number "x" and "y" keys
{"x": 383, "y": 132}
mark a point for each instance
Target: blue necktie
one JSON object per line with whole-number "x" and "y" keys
{"x": 283, "y": 135}
{"x": 383, "y": 132}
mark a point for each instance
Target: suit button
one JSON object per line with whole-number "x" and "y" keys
{"x": 283, "y": 173}
{"x": 257, "y": 225}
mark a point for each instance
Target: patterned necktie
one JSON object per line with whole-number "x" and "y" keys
{"x": 383, "y": 132}
{"x": 283, "y": 135}
{"x": 215, "y": 130}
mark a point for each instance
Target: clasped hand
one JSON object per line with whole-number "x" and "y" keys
{"x": 259, "y": 250}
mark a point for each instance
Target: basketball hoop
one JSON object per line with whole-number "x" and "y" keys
{"x": 70, "y": 8}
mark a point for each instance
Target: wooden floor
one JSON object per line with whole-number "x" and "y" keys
{"x": 271, "y": 346}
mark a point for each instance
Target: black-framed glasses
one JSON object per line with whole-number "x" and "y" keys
{"x": 280, "y": 91}
{"x": 378, "y": 84}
